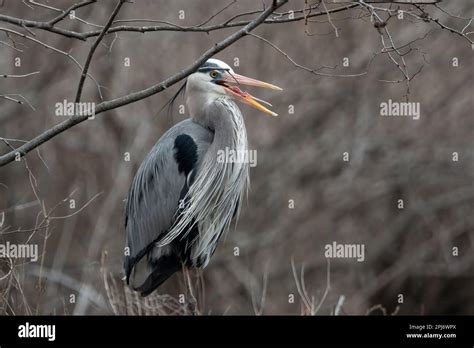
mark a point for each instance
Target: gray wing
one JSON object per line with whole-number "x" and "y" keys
{"x": 156, "y": 189}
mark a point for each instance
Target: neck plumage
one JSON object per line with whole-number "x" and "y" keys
{"x": 223, "y": 117}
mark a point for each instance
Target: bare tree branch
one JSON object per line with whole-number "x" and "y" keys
{"x": 264, "y": 17}
{"x": 71, "y": 8}
{"x": 42, "y": 25}
{"x": 167, "y": 27}
{"x": 136, "y": 96}
{"x": 93, "y": 48}
{"x": 68, "y": 55}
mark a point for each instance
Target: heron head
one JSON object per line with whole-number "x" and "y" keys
{"x": 216, "y": 78}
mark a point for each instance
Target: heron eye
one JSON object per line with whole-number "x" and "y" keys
{"x": 213, "y": 74}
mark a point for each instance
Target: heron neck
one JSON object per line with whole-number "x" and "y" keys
{"x": 223, "y": 117}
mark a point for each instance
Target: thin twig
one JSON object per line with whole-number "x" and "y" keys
{"x": 18, "y": 76}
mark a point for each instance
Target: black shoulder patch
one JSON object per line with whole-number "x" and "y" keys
{"x": 185, "y": 153}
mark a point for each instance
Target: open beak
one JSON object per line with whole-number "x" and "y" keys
{"x": 231, "y": 81}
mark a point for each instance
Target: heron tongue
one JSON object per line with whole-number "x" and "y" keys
{"x": 237, "y": 90}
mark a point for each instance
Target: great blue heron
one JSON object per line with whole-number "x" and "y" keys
{"x": 183, "y": 198}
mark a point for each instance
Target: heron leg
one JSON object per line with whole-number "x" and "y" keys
{"x": 192, "y": 302}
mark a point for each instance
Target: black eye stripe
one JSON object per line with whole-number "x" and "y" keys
{"x": 207, "y": 69}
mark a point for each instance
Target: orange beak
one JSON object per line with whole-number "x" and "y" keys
{"x": 230, "y": 82}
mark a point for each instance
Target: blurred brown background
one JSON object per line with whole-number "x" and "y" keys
{"x": 300, "y": 158}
